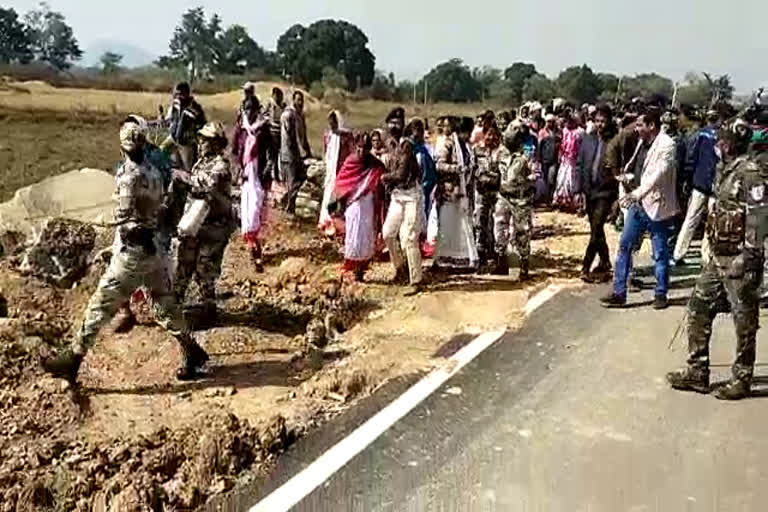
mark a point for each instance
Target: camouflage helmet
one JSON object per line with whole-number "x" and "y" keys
{"x": 131, "y": 137}
{"x": 213, "y": 130}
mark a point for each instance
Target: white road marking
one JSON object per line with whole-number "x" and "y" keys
{"x": 302, "y": 484}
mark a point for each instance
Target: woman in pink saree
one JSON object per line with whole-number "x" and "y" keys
{"x": 250, "y": 136}
{"x": 567, "y": 195}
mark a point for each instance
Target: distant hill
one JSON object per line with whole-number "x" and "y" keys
{"x": 133, "y": 56}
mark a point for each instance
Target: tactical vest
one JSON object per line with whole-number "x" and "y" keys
{"x": 738, "y": 223}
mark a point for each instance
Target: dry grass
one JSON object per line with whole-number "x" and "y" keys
{"x": 46, "y": 130}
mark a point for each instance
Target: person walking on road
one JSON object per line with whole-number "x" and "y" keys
{"x": 293, "y": 141}
{"x": 730, "y": 280}
{"x": 651, "y": 207}
{"x": 600, "y": 190}
{"x": 139, "y": 259}
{"x": 700, "y": 163}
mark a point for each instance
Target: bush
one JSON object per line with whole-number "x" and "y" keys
{"x": 317, "y": 90}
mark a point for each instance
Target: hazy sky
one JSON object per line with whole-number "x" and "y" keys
{"x": 410, "y": 36}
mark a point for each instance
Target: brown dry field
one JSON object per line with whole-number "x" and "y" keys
{"x": 266, "y": 376}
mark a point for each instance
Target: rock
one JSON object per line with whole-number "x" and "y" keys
{"x": 11, "y": 242}
{"x": 315, "y": 171}
{"x": 316, "y": 333}
{"x": 60, "y": 252}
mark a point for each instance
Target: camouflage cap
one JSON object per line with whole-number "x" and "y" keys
{"x": 213, "y": 130}
{"x": 131, "y": 136}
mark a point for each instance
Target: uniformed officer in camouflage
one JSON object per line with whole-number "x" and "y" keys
{"x": 514, "y": 203}
{"x": 201, "y": 256}
{"x": 489, "y": 156}
{"x": 138, "y": 259}
{"x": 736, "y": 229}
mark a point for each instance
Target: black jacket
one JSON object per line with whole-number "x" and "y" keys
{"x": 604, "y": 184}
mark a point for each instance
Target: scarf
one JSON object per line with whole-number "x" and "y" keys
{"x": 428, "y": 169}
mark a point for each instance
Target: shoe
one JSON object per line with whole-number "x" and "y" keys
{"x": 689, "y": 379}
{"x": 64, "y": 366}
{"x": 502, "y": 267}
{"x": 194, "y": 361}
{"x": 678, "y": 263}
{"x": 635, "y": 285}
{"x": 603, "y": 269}
{"x": 733, "y": 390}
{"x": 613, "y": 301}
{"x": 587, "y": 277}
{"x": 660, "y": 302}
{"x": 124, "y": 321}
{"x": 401, "y": 276}
{"x": 412, "y": 290}
{"x": 525, "y": 273}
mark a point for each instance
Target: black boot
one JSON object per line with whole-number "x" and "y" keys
{"x": 194, "y": 360}
{"x": 689, "y": 379}
{"x": 735, "y": 389}
{"x": 524, "y": 270}
{"x": 64, "y": 366}
{"x": 502, "y": 266}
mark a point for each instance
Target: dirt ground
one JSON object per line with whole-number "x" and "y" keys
{"x": 131, "y": 434}
{"x": 131, "y": 437}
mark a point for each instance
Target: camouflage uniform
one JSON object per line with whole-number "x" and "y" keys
{"x": 486, "y": 184}
{"x": 201, "y": 255}
{"x": 731, "y": 279}
{"x": 514, "y": 205}
{"x": 139, "y": 259}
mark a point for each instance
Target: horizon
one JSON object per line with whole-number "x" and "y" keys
{"x": 595, "y": 33}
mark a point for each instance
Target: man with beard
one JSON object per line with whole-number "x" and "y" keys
{"x": 600, "y": 189}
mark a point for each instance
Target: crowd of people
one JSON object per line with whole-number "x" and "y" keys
{"x": 461, "y": 196}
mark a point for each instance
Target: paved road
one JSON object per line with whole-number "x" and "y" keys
{"x": 569, "y": 414}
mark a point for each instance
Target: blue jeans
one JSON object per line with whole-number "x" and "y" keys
{"x": 637, "y": 223}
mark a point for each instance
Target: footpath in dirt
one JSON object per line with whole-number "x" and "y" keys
{"x": 293, "y": 347}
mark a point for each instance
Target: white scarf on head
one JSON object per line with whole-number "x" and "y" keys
{"x": 331, "y": 166}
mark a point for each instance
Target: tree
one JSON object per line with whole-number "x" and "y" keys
{"x": 195, "y": 44}
{"x": 110, "y": 63}
{"x": 333, "y": 79}
{"x": 539, "y": 88}
{"x": 516, "y": 75}
{"x": 579, "y": 85}
{"x": 609, "y": 83}
{"x": 15, "y": 43}
{"x": 452, "y": 81}
{"x": 305, "y": 51}
{"x": 239, "y": 52}
{"x": 648, "y": 85}
{"x": 722, "y": 90}
{"x": 52, "y": 39}
{"x": 486, "y": 76}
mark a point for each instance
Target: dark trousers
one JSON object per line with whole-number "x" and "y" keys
{"x": 717, "y": 291}
{"x": 293, "y": 174}
{"x": 598, "y": 212}
{"x": 273, "y": 157}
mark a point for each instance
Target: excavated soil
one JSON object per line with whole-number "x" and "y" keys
{"x": 292, "y": 347}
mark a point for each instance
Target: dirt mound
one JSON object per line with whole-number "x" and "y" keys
{"x": 61, "y": 251}
{"x": 84, "y": 195}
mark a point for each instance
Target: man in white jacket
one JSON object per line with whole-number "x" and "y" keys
{"x": 651, "y": 207}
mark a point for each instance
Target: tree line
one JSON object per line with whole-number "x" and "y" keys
{"x": 334, "y": 55}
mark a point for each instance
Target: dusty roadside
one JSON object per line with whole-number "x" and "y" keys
{"x": 132, "y": 436}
